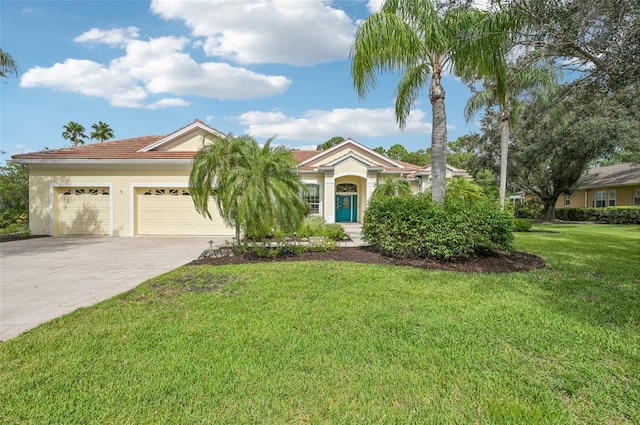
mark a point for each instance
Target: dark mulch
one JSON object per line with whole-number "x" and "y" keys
{"x": 11, "y": 238}
{"x": 495, "y": 263}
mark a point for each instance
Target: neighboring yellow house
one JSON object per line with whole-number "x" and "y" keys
{"x": 610, "y": 186}
{"x": 139, "y": 186}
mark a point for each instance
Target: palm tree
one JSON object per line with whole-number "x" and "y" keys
{"x": 74, "y": 132}
{"x": 503, "y": 83}
{"x": 7, "y": 64}
{"x": 421, "y": 41}
{"x": 257, "y": 189}
{"x": 391, "y": 187}
{"x": 101, "y": 131}
{"x": 507, "y": 99}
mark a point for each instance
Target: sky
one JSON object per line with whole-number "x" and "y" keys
{"x": 262, "y": 68}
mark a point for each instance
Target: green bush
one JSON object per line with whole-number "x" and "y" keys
{"x": 316, "y": 226}
{"x": 532, "y": 208}
{"x": 415, "y": 227}
{"x": 611, "y": 215}
{"x": 266, "y": 249}
{"x": 521, "y": 225}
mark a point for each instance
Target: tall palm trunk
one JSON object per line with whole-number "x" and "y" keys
{"x": 504, "y": 154}
{"x": 438, "y": 138}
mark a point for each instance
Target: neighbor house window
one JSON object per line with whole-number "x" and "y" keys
{"x": 612, "y": 198}
{"x": 313, "y": 198}
{"x": 636, "y": 197}
{"x": 601, "y": 199}
{"x": 567, "y": 200}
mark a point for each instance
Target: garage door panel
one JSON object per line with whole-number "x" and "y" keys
{"x": 170, "y": 211}
{"x": 82, "y": 211}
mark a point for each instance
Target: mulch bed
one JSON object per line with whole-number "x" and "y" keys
{"x": 495, "y": 263}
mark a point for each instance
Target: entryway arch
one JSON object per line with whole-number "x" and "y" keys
{"x": 347, "y": 202}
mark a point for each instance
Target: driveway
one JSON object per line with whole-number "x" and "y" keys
{"x": 44, "y": 278}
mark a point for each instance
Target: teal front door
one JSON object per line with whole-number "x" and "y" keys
{"x": 346, "y": 208}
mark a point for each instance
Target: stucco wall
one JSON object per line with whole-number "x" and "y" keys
{"x": 41, "y": 181}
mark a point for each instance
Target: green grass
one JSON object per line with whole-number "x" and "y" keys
{"x": 346, "y": 343}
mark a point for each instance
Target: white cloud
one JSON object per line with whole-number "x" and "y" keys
{"x": 113, "y": 37}
{"x": 168, "y": 102}
{"x": 88, "y": 78}
{"x": 266, "y": 31}
{"x": 319, "y": 125}
{"x": 374, "y": 5}
{"x": 152, "y": 67}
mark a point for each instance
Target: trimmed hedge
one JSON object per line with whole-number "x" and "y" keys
{"x": 611, "y": 215}
{"x": 415, "y": 227}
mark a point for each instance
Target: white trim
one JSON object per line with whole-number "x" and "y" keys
{"x": 177, "y": 134}
{"x": 53, "y": 185}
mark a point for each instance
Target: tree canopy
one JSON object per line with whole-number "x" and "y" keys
{"x": 561, "y": 134}
{"x": 419, "y": 40}
{"x": 75, "y": 133}
{"x": 8, "y": 65}
{"x": 330, "y": 143}
{"x": 101, "y": 131}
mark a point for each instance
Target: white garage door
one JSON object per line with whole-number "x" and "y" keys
{"x": 82, "y": 211}
{"x": 170, "y": 211}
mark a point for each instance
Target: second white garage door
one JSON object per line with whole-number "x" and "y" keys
{"x": 170, "y": 211}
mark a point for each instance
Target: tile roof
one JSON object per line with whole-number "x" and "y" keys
{"x": 133, "y": 149}
{"x": 611, "y": 175}
{"x": 129, "y": 149}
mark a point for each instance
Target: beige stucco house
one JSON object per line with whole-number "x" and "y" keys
{"x": 609, "y": 186}
{"x": 139, "y": 186}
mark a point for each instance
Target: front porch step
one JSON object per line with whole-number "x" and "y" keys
{"x": 354, "y": 230}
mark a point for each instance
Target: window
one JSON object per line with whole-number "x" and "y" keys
{"x": 600, "y": 199}
{"x": 79, "y": 191}
{"x": 567, "y": 200}
{"x": 174, "y": 192}
{"x": 92, "y": 191}
{"x": 346, "y": 188}
{"x": 612, "y": 198}
{"x": 159, "y": 192}
{"x": 636, "y": 197}
{"x": 313, "y": 198}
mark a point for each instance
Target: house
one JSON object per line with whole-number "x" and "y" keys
{"x": 608, "y": 186}
{"x": 139, "y": 186}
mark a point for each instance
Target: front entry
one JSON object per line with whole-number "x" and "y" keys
{"x": 346, "y": 208}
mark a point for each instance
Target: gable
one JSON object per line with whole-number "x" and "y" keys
{"x": 351, "y": 166}
{"x": 349, "y": 149}
{"x": 187, "y": 139}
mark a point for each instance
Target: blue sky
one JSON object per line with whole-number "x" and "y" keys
{"x": 257, "y": 67}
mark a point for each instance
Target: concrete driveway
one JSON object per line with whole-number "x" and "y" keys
{"x": 44, "y": 278}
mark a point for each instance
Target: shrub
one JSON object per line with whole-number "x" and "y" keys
{"x": 415, "y": 227}
{"x": 521, "y": 225}
{"x": 532, "y": 208}
{"x": 266, "y": 249}
{"x": 316, "y": 226}
{"x": 612, "y": 215}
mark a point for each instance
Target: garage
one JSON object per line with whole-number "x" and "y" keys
{"x": 82, "y": 211}
{"x": 166, "y": 211}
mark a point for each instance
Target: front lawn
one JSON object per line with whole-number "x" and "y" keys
{"x": 327, "y": 342}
